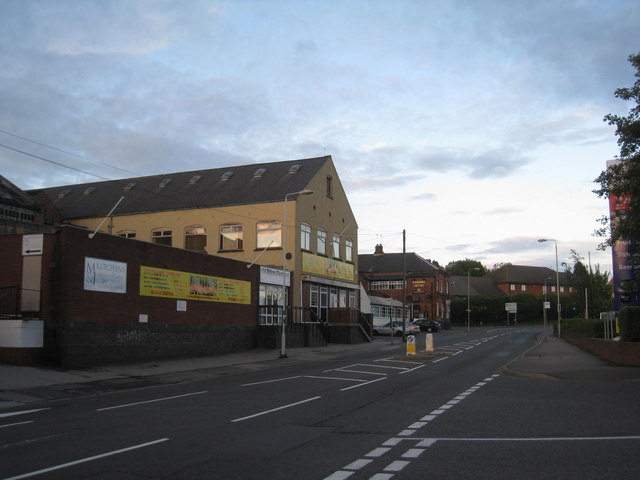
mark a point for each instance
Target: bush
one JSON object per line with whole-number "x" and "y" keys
{"x": 629, "y": 319}
{"x": 583, "y": 326}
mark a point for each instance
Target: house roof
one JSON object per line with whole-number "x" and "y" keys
{"x": 393, "y": 262}
{"x": 237, "y": 185}
{"x": 477, "y": 286}
{"x": 526, "y": 275}
{"x": 11, "y": 195}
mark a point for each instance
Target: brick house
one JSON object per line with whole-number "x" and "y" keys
{"x": 427, "y": 285}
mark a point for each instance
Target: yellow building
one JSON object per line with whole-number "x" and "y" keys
{"x": 239, "y": 212}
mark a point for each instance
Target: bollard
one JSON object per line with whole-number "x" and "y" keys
{"x": 429, "y": 345}
{"x": 411, "y": 345}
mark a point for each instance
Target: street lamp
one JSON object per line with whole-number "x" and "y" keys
{"x": 557, "y": 280}
{"x": 469, "y": 298}
{"x": 544, "y": 306}
{"x": 283, "y": 338}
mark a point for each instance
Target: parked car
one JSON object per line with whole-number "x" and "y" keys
{"x": 395, "y": 329}
{"x": 427, "y": 325}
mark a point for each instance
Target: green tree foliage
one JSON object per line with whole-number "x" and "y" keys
{"x": 622, "y": 181}
{"x": 589, "y": 286}
{"x": 461, "y": 267}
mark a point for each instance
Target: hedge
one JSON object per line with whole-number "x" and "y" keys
{"x": 629, "y": 319}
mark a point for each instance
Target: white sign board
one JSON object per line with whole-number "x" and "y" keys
{"x": 511, "y": 307}
{"x": 274, "y": 276}
{"x": 32, "y": 244}
{"x": 105, "y": 275}
{"x": 547, "y": 305}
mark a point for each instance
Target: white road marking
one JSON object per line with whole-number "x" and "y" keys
{"x": 358, "y": 464}
{"x": 339, "y": 475}
{"x": 377, "y": 452}
{"x": 21, "y": 412}
{"x": 85, "y": 460}
{"x": 275, "y": 409}
{"x": 150, "y": 401}
{"x": 362, "y": 384}
{"x": 336, "y": 378}
{"x": 396, "y": 466}
{"x": 14, "y": 424}
{"x": 269, "y": 381}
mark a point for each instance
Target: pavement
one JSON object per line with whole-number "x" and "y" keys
{"x": 550, "y": 358}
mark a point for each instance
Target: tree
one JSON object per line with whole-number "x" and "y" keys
{"x": 595, "y": 283}
{"x": 461, "y": 267}
{"x": 622, "y": 181}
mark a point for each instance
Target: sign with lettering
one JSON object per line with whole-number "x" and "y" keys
{"x": 159, "y": 282}
{"x": 105, "y": 275}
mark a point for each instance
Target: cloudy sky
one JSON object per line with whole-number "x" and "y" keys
{"x": 474, "y": 125}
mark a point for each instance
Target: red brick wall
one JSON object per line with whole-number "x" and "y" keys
{"x": 623, "y": 353}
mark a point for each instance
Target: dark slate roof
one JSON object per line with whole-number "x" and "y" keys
{"x": 522, "y": 274}
{"x": 11, "y": 195}
{"x": 186, "y": 190}
{"x": 477, "y": 286}
{"x": 393, "y": 262}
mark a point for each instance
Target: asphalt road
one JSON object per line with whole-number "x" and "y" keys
{"x": 374, "y": 416}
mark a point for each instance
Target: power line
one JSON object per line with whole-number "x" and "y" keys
{"x": 95, "y": 162}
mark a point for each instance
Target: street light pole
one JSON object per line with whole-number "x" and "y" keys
{"x": 283, "y": 335}
{"x": 544, "y": 306}
{"x": 557, "y": 281}
{"x": 469, "y": 298}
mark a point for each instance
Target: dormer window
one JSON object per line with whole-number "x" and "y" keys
{"x": 64, "y": 193}
{"x": 293, "y": 169}
{"x": 226, "y": 176}
{"x": 259, "y": 173}
{"x": 88, "y": 191}
{"x": 129, "y": 186}
{"x": 193, "y": 180}
{"x": 165, "y": 182}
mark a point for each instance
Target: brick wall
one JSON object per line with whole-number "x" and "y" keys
{"x": 84, "y": 328}
{"x": 623, "y": 353}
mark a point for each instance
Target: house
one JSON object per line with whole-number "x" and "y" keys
{"x": 426, "y": 289}
{"x": 238, "y": 212}
{"x": 514, "y": 279}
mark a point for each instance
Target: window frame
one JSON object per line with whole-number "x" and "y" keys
{"x": 270, "y": 237}
{"x": 238, "y": 241}
{"x": 321, "y": 242}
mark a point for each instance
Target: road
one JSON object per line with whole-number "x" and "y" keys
{"x": 374, "y": 414}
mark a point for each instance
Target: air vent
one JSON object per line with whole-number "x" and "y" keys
{"x": 88, "y": 191}
{"x": 259, "y": 173}
{"x": 226, "y": 176}
{"x": 193, "y": 180}
{"x": 129, "y": 186}
{"x": 165, "y": 182}
{"x": 64, "y": 193}
{"x": 293, "y": 169}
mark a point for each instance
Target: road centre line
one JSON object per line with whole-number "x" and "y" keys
{"x": 14, "y": 424}
{"x": 149, "y": 401}
{"x": 248, "y": 417}
{"x": 21, "y": 412}
{"x": 271, "y": 381}
{"x": 336, "y": 378}
{"x": 362, "y": 384}
{"x": 85, "y": 460}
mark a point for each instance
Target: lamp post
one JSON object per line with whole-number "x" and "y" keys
{"x": 283, "y": 337}
{"x": 469, "y": 298}
{"x": 557, "y": 280}
{"x": 544, "y": 306}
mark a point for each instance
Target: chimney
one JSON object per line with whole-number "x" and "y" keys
{"x": 378, "y": 250}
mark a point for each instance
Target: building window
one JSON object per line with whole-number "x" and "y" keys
{"x": 512, "y": 287}
{"x": 386, "y": 285}
{"x": 161, "y": 236}
{"x": 195, "y": 238}
{"x": 305, "y": 237}
{"x": 553, "y": 288}
{"x": 329, "y": 186}
{"x": 348, "y": 250}
{"x": 269, "y": 234}
{"x": 322, "y": 242}
{"x": 126, "y": 234}
{"x": 231, "y": 237}
{"x": 523, "y": 288}
{"x": 336, "y": 246}
{"x": 561, "y": 289}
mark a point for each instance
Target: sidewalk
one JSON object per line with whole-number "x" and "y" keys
{"x": 549, "y": 359}
{"x": 553, "y": 358}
